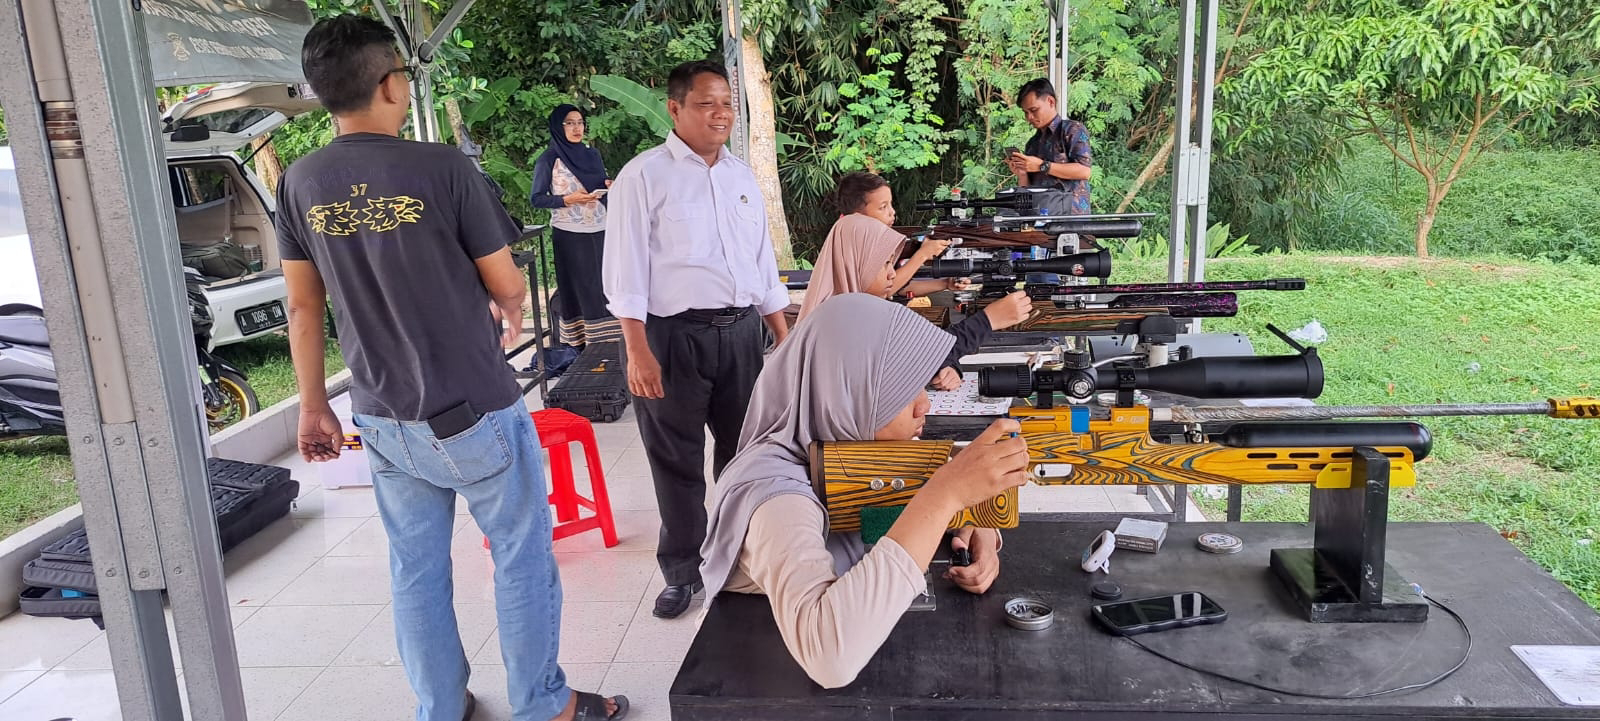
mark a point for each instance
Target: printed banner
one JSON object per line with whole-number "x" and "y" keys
{"x": 208, "y": 41}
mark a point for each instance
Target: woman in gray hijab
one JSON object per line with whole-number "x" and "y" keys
{"x": 854, "y": 371}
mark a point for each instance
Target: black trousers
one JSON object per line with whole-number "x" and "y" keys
{"x": 709, "y": 363}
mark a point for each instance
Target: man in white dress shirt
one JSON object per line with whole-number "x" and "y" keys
{"x": 688, "y": 269}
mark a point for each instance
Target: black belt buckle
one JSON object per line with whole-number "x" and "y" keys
{"x": 723, "y": 320}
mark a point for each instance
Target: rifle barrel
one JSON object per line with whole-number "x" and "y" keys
{"x": 1227, "y": 285}
{"x": 1203, "y": 414}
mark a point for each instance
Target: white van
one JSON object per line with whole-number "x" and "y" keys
{"x": 219, "y": 202}
{"x": 221, "y": 205}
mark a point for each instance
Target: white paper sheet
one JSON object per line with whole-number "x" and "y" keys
{"x": 1572, "y": 673}
{"x": 965, "y": 401}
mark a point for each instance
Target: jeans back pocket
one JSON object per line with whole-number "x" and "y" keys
{"x": 476, "y": 454}
{"x": 375, "y": 443}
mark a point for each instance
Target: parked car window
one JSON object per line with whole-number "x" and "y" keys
{"x": 10, "y": 205}
{"x": 197, "y": 184}
{"x": 231, "y": 121}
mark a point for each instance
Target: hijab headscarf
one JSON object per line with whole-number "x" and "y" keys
{"x": 855, "y": 251}
{"x": 582, "y": 160}
{"x": 840, "y": 376}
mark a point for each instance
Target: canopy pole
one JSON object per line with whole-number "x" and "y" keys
{"x": 105, "y": 248}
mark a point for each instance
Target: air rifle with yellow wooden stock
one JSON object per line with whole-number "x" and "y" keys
{"x": 1071, "y": 446}
{"x": 1352, "y": 466}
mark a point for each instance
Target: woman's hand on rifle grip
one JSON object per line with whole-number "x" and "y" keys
{"x": 997, "y": 460}
{"x": 932, "y": 248}
{"x": 1009, "y": 311}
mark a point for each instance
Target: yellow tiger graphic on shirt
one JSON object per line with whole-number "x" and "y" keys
{"x": 379, "y": 215}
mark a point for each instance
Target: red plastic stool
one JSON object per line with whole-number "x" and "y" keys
{"x": 557, "y": 428}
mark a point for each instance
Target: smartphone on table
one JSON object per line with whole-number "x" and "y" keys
{"x": 1158, "y": 613}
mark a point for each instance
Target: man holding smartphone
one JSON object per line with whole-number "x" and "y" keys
{"x": 690, "y": 272}
{"x": 411, "y": 244}
{"x": 1058, "y": 155}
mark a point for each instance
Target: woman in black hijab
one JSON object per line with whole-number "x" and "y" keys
{"x": 570, "y": 181}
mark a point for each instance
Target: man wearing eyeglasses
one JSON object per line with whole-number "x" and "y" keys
{"x": 412, "y": 246}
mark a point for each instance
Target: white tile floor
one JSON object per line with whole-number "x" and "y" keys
{"x": 313, "y": 624}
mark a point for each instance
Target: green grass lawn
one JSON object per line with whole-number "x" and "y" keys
{"x": 35, "y": 481}
{"x": 1527, "y": 203}
{"x": 1440, "y": 331}
{"x": 265, "y": 361}
{"x": 36, "y": 476}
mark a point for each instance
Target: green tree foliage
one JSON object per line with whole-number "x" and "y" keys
{"x": 1437, "y": 81}
{"x": 879, "y": 132}
{"x": 923, "y": 91}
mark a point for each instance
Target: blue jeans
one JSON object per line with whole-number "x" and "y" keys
{"x": 498, "y": 466}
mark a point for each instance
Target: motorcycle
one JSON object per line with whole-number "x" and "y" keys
{"x": 30, "y": 398}
{"x": 224, "y": 389}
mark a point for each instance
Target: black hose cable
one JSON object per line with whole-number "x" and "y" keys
{"x": 1386, "y": 692}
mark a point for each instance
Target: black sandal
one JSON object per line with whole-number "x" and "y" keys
{"x": 592, "y": 707}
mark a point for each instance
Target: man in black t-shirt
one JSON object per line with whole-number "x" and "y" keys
{"x": 412, "y": 246}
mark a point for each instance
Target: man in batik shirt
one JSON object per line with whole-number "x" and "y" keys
{"x": 1058, "y": 154}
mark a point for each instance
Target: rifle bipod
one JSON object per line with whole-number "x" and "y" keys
{"x": 1344, "y": 577}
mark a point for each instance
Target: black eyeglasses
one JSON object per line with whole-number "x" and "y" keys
{"x": 409, "y": 70}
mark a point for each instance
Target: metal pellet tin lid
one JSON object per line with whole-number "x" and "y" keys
{"x": 1029, "y": 614}
{"x": 1219, "y": 543}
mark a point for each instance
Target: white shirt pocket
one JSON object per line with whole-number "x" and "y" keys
{"x": 689, "y": 231}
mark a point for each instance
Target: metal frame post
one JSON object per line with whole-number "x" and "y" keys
{"x": 1050, "y": 9}
{"x": 417, "y": 48}
{"x": 82, "y": 116}
{"x": 1191, "y": 161}
{"x": 1064, "y": 85}
{"x": 424, "y": 122}
{"x": 732, "y": 36}
{"x": 1059, "y": 50}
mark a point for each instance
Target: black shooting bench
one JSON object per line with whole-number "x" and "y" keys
{"x": 961, "y": 661}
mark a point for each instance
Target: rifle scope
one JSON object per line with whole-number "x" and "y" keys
{"x": 1016, "y": 201}
{"x": 1285, "y": 376}
{"x": 1089, "y": 265}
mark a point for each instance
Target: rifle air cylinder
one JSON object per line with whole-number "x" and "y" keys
{"x": 1096, "y": 228}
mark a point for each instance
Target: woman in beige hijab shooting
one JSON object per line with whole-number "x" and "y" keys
{"x": 854, "y": 371}
{"x": 859, "y": 257}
